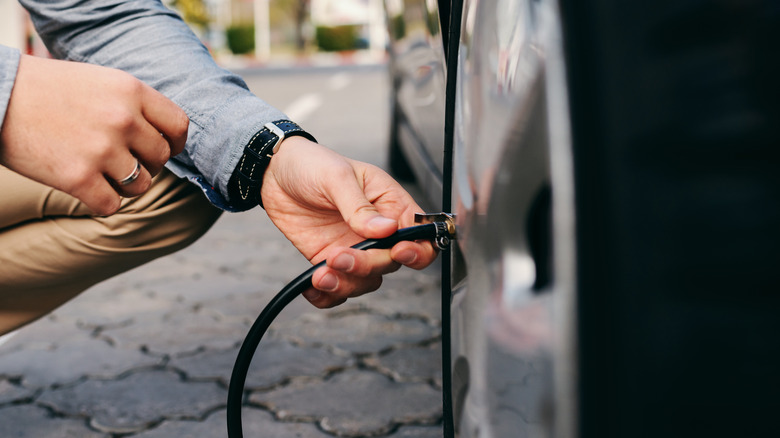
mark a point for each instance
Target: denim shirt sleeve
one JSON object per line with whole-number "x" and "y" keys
{"x": 9, "y": 62}
{"x": 151, "y": 42}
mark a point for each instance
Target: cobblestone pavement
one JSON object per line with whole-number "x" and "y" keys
{"x": 148, "y": 354}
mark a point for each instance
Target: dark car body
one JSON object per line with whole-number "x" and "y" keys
{"x": 502, "y": 335}
{"x": 616, "y": 208}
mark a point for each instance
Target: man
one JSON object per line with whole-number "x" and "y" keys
{"x": 90, "y": 190}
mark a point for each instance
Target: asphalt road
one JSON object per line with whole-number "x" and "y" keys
{"x": 346, "y": 109}
{"x": 149, "y": 353}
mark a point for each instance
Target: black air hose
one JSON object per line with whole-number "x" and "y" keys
{"x": 430, "y": 231}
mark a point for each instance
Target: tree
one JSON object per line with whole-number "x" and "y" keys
{"x": 298, "y": 11}
{"x": 193, "y": 12}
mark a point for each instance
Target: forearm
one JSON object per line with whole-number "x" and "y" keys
{"x": 149, "y": 41}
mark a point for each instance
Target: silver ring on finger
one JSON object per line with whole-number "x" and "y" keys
{"x": 133, "y": 175}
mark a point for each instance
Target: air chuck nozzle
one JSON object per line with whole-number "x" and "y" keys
{"x": 445, "y": 227}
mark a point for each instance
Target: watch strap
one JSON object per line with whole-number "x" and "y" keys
{"x": 246, "y": 181}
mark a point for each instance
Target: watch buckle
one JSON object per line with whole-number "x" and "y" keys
{"x": 279, "y": 133}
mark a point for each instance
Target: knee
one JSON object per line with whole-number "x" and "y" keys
{"x": 171, "y": 215}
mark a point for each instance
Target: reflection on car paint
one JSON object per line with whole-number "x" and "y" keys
{"x": 503, "y": 343}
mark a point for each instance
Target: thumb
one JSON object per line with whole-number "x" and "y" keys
{"x": 361, "y": 215}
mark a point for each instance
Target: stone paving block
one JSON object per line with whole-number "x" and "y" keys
{"x": 281, "y": 269}
{"x": 180, "y": 332}
{"x": 250, "y": 227}
{"x": 355, "y": 403}
{"x": 247, "y": 259}
{"x": 10, "y": 393}
{"x": 406, "y": 292}
{"x": 248, "y": 307}
{"x": 192, "y": 290}
{"x": 177, "y": 265}
{"x": 298, "y": 310}
{"x": 407, "y": 300}
{"x": 244, "y": 307}
{"x": 410, "y": 364}
{"x": 274, "y": 362}
{"x": 226, "y": 255}
{"x": 69, "y": 361}
{"x": 361, "y": 333}
{"x": 135, "y": 402}
{"x": 43, "y": 333}
{"x": 109, "y": 307}
{"x": 256, "y": 423}
{"x": 29, "y": 421}
{"x": 264, "y": 253}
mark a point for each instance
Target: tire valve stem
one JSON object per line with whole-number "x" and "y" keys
{"x": 445, "y": 227}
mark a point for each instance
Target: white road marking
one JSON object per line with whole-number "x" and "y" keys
{"x": 302, "y": 107}
{"x": 6, "y": 337}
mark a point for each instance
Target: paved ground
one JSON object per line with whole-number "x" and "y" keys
{"x": 148, "y": 354}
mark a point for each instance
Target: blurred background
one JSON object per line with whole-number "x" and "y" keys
{"x": 255, "y": 32}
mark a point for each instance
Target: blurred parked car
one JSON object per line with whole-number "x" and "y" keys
{"x": 616, "y": 185}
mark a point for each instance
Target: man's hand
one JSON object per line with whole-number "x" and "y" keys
{"x": 324, "y": 203}
{"x": 80, "y": 128}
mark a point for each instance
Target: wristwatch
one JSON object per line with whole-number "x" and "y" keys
{"x": 245, "y": 183}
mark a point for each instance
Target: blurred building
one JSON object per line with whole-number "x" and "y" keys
{"x": 274, "y": 28}
{"x": 16, "y": 29}
{"x": 369, "y": 14}
{"x": 13, "y": 24}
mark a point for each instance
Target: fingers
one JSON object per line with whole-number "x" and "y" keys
{"x": 151, "y": 148}
{"x": 160, "y": 133}
{"x": 163, "y": 134}
{"x": 332, "y": 288}
{"x": 164, "y": 115}
{"x": 80, "y": 128}
{"x": 416, "y": 255}
{"x": 103, "y": 195}
{"x": 359, "y": 213}
{"x": 350, "y": 273}
{"x": 362, "y": 263}
{"x": 98, "y": 195}
{"x": 306, "y": 188}
{"x": 321, "y": 300}
{"x": 132, "y": 182}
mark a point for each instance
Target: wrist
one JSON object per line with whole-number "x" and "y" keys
{"x": 245, "y": 183}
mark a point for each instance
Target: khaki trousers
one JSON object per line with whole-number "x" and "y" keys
{"x": 52, "y": 248}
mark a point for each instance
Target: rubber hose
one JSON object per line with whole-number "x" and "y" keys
{"x": 279, "y": 302}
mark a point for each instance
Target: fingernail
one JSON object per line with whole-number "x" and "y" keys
{"x": 328, "y": 283}
{"x": 344, "y": 262}
{"x": 406, "y": 257}
{"x": 380, "y": 222}
{"x": 311, "y": 294}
